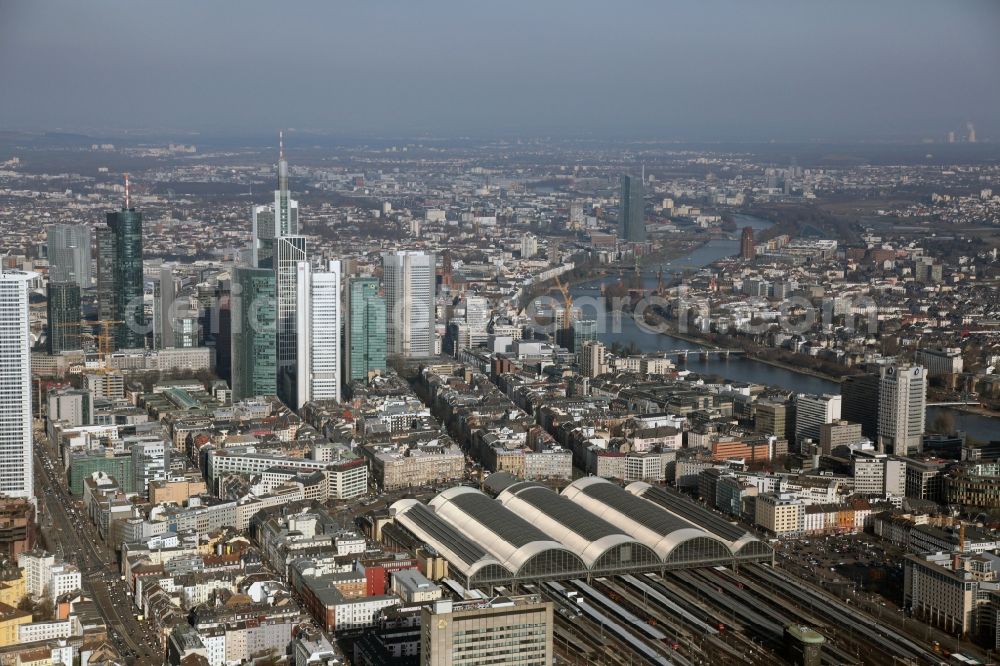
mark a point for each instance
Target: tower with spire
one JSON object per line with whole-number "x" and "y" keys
{"x": 272, "y": 221}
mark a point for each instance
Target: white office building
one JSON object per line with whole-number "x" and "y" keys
{"x": 16, "y": 468}
{"x": 409, "y": 295}
{"x": 902, "y": 407}
{"x": 318, "y": 329}
{"x": 811, "y": 412}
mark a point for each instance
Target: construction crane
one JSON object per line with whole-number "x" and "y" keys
{"x": 103, "y": 338}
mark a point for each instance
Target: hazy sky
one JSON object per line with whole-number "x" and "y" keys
{"x": 702, "y": 69}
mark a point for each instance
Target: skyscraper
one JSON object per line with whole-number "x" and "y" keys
{"x": 163, "y": 309}
{"x": 254, "y": 345}
{"x": 63, "y": 316}
{"x": 632, "y": 211}
{"x": 902, "y": 406}
{"x": 860, "y": 402}
{"x": 747, "y": 249}
{"x": 274, "y": 220}
{"x": 409, "y": 295}
{"x": 16, "y": 468}
{"x": 126, "y": 241}
{"x": 105, "y": 273}
{"x": 69, "y": 254}
{"x": 319, "y": 322}
{"x": 289, "y": 251}
{"x": 365, "y": 332}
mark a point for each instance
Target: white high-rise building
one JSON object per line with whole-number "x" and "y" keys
{"x": 812, "y": 411}
{"x": 318, "y": 329}
{"x": 16, "y": 462}
{"x": 902, "y": 409}
{"x": 409, "y": 297}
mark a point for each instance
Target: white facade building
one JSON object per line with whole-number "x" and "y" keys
{"x": 409, "y": 295}
{"x": 16, "y": 462}
{"x": 812, "y": 411}
{"x": 318, "y": 329}
{"x": 902, "y": 409}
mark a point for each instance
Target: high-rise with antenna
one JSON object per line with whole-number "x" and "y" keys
{"x": 275, "y": 220}
{"x": 124, "y": 289}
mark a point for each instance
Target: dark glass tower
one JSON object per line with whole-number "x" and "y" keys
{"x": 126, "y": 232}
{"x": 105, "y": 273}
{"x": 365, "y": 331}
{"x": 64, "y": 317}
{"x": 254, "y": 333}
{"x": 632, "y": 212}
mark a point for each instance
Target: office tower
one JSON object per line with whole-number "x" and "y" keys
{"x": 584, "y": 331}
{"x": 632, "y": 211}
{"x": 105, "y": 273}
{"x": 772, "y": 418}
{"x": 747, "y": 249}
{"x": 318, "y": 328}
{"x": 860, "y": 402}
{"x": 69, "y": 253}
{"x": 409, "y": 297}
{"x": 126, "y": 241}
{"x": 592, "y": 359}
{"x": 63, "y": 316}
{"x": 222, "y": 327}
{"x": 164, "y": 295}
{"x": 275, "y": 220}
{"x": 365, "y": 334}
{"x": 289, "y": 251}
{"x": 811, "y": 412}
{"x": 902, "y": 407}
{"x": 972, "y": 132}
{"x": 16, "y": 468}
{"x": 512, "y": 630}
{"x": 185, "y": 332}
{"x": 477, "y": 318}
{"x": 254, "y": 345}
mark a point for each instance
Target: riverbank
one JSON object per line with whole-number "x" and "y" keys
{"x": 671, "y": 330}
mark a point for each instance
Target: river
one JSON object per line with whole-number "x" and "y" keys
{"x": 624, "y": 331}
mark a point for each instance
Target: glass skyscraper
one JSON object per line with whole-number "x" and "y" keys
{"x": 69, "y": 253}
{"x": 253, "y": 308}
{"x": 365, "y": 335}
{"x": 64, "y": 317}
{"x": 289, "y": 251}
{"x": 126, "y": 235}
{"x": 631, "y": 212}
{"x": 105, "y": 273}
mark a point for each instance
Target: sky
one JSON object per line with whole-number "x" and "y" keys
{"x": 657, "y": 69}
